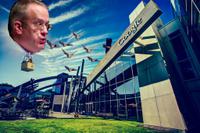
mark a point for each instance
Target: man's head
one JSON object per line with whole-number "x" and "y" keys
{"x": 28, "y": 24}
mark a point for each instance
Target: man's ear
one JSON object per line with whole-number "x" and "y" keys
{"x": 18, "y": 27}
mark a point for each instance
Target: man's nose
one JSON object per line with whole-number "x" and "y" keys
{"x": 44, "y": 31}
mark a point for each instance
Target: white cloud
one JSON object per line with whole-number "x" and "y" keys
{"x": 5, "y": 9}
{"x": 76, "y": 24}
{"x": 55, "y": 60}
{"x": 49, "y": 53}
{"x": 68, "y": 15}
{"x": 61, "y": 38}
{"x": 92, "y": 39}
{"x": 51, "y": 66}
{"x": 97, "y": 45}
{"x": 56, "y": 65}
{"x": 59, "y": 4}
{"x": 69, "y": 37}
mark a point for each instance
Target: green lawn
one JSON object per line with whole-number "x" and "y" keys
{"x": 92, "y": 125}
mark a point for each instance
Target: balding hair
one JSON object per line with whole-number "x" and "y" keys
{"x": 18, "y": 12}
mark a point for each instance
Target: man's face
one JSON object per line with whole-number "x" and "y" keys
{"x": 35, "y": 28}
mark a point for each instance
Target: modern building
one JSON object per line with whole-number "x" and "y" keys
{"x": 151, "y": 74}
{"x": 113, "y": 87}
{"x": 159, "y": 106}
{"x": 115, "y": 93}
{"x": 156, "y": 79}
{"x": 179, "y": 42}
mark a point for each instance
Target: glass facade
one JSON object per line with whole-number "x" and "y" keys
{"x": 116, "y": 92}
{"x": 182, "y": 55}
{"x": 188, "y": 12}
{"x": 180, "y": 45}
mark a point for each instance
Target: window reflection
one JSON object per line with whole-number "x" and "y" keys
{"x": 115, "y": 92}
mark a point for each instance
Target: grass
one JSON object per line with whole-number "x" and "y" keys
{"x": 92, "y": 125}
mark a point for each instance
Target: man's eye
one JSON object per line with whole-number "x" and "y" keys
{"x": 39, "y": 23}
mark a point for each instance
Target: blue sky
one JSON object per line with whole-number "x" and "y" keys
{"x": 93, "y": 20}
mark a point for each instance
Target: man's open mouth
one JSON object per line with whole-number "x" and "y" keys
{"x": 43, "y": 41}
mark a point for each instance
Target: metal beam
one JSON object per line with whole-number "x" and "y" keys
{"x": 146, "y": 17}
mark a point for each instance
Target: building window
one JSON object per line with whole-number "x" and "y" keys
{"x": 178, "y": 48}
{"x": 186, "y": 70}
{"x": 183, "y": 59}
{"x": 115, "y": 94}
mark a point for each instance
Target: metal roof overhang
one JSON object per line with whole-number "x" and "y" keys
{"x": 146, "y": 17}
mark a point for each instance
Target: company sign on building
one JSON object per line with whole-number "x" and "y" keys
{"x": 146, "y": 17}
